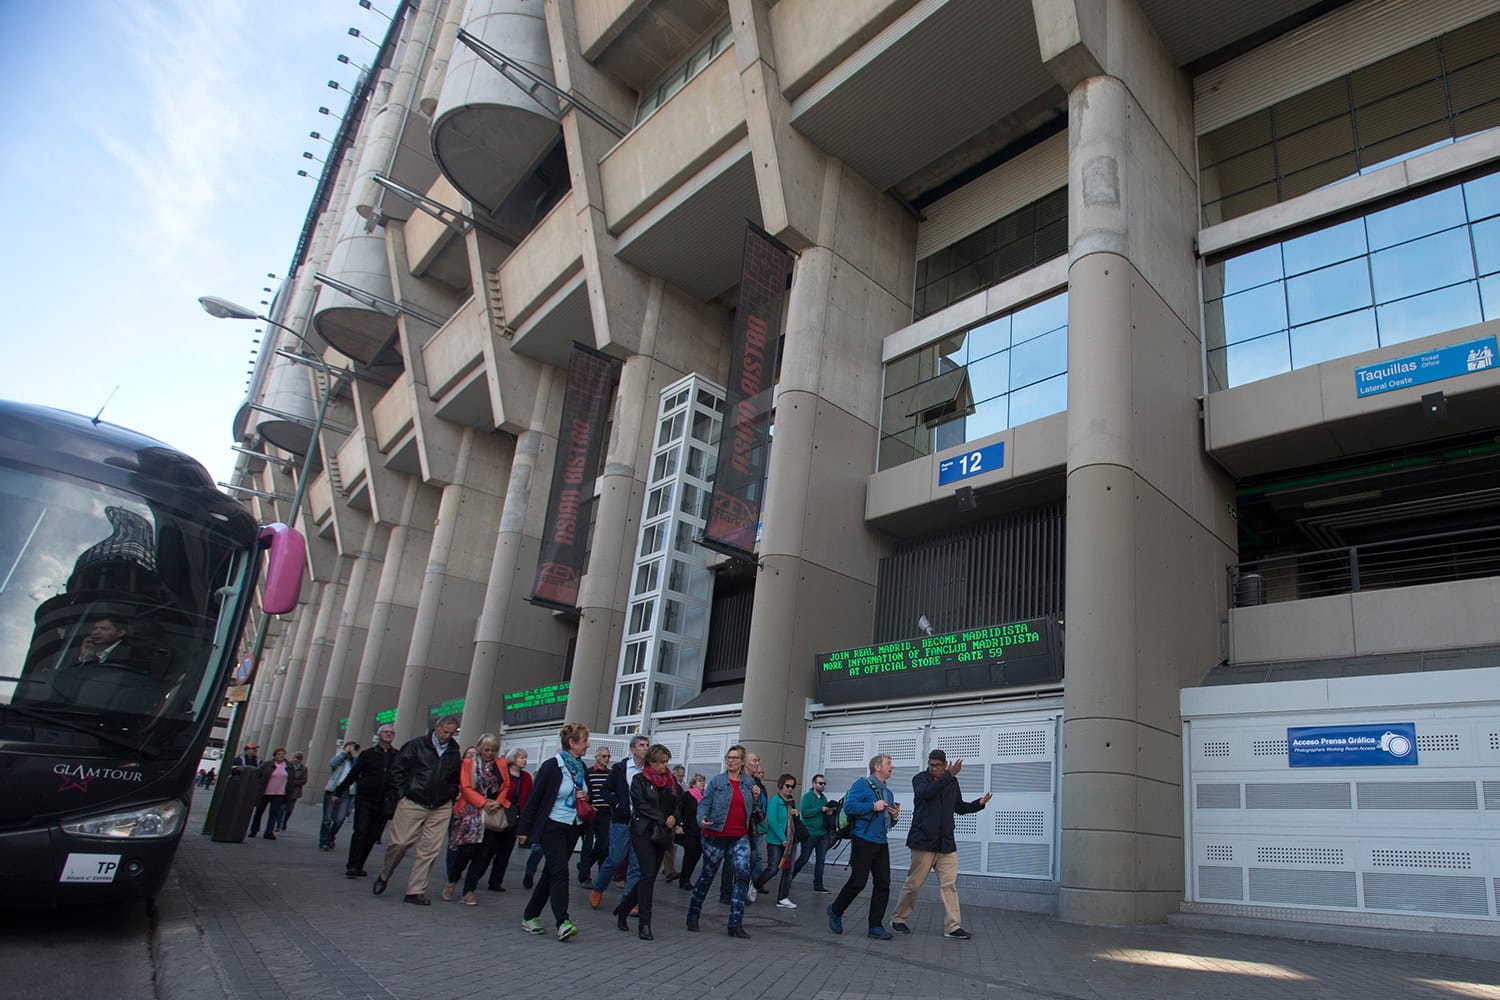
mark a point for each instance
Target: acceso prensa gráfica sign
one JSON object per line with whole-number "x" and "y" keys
{"x": 1365, "y": 745}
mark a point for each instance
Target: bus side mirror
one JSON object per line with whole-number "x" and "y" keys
{"x": 285, "y": 558}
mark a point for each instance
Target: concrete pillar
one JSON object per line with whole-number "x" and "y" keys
{"x": 350, "y": 638}
{"x": 314, "y": 670}
{"x": 378, "y": 683}
{"x": 518, "y": 645}
{"x": 819, "y": 564}
{"x": 1148, "y": 528}
{"x": 275, "y": 728}
{"x": 438, "y": 657}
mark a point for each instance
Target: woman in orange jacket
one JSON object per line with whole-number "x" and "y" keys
{"x": 483, "y": 791}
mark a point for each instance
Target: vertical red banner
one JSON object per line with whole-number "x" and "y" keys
{"x": 591, "y": 383}
{"x": 744, "y": 444}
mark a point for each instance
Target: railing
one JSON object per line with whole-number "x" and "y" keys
{"x": 1472, "y": 553}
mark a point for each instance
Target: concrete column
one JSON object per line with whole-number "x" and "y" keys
{"x": 314, "y": 670}
{"x": 286, "y": 698}
{"x": 440, "y": 651}
{"x": 353, "y": 620}
{"x": 1148, "y": 529}
{"x": 378, "y": 683}
{"x": 517, "y": 645}
{"x": 819, "y": 564}
{"x": 600, "y": 596}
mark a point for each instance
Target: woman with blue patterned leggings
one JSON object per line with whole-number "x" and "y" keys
{"x": 726, "y": 814}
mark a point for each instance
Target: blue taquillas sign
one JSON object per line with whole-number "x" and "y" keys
{"x": 1433, "y": 366}
{"x": 1374, "y": 745}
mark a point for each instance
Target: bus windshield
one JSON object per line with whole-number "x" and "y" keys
{"x": 110, "y": 608}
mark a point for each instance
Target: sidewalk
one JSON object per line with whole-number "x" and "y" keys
{"x": 268, "y": 919}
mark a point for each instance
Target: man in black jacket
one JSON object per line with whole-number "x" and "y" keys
{"x": 932, "y": 844}
{"x": 425, "y": 779}
{"x": 369, "y": 777}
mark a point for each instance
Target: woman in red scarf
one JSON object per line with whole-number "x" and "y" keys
{"x": 653, "y": 824}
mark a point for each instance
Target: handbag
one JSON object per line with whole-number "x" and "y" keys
{"x": 661, "y": 835}
{"x": 498, "y": 821}
{"x": 799, "y": 830}
{"x": 586, "y": 810}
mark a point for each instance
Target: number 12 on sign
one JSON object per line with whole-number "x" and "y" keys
{"x": 971, "y": 463}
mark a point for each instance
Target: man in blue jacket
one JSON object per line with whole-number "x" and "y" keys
{"x": 932, "y": 843}
{"x": 872, "y": 811}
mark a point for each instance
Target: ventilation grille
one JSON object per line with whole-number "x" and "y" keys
{"x": 1218, "y": 796}
{"x": 1426, "y": 893}
{"x": 1495, "y": 741}
{"x": 1268, "y": 748}
{"x": 1417, "y": 858}
{"x": 1303, "y": 887}
{"x": 1304, "y": 795}
{"x": 1438, "y": 742}
{"x": 1418, "y": 795}
{"x": 961, "y": 747}
{"x": 1027, "y": 744}
{"x": 1492, "y": 794}
{"x": 900, "y": 854}
{"x": 1217, "y": 882}
{"x": 900, "y": 748}
{"x": 1300, "y": 855}
{"x": 1030, "y": 860}
{"x": 847, "y": 752}
{"x": 1027, "y": 776}
{"x": 1019, "y": 824}
{"x": 969, "y": 856}
{"x": 1219, "y": 852}
{"x": 966, "y": 825}
{"x": 1216, "y": 748}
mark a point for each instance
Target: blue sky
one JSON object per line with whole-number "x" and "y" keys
{"x": 150, "y": 156}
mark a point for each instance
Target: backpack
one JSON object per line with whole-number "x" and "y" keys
{"x": 842, "y": 826}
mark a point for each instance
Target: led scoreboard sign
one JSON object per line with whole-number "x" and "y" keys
{"x": 977, "y": 659}
{"x": 538, "y": 704}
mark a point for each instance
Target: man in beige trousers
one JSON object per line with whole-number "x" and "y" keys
{"x": 932, "y": 844}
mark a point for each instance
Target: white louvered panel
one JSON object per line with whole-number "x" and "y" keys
{"x": 1352, "y": 36}
{"x": 1012, "y": 185}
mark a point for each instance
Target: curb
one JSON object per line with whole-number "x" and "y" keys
{"x": 183, "y": 967}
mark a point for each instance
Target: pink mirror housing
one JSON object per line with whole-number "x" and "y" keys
{"x": 286, "y": 557}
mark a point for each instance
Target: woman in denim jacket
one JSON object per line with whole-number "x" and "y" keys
{"x": 726, "y": 814}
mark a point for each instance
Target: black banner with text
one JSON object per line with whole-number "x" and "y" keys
{"x": 744, "y": 446}
{"x": 591, "y": 382}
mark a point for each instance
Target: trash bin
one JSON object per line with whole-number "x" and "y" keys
{"x": 237, "y": 806}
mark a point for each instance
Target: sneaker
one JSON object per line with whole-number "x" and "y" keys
{"x": 416, "y": 899}
{"x": 448, "y": 891}
{"x": 595, "y": 898}
{"x": 835, "y": 921}
{"x": 958, "y": 932}
{"x": 880, "y": 934}
{"x": 822, "y": 891}
{"x": 469, "y": 899}
{"x": 566, "y": 930}
{"x": 533, "y": 926}
{"x": 786, "y": 904}
{"x": 899, "y": 927}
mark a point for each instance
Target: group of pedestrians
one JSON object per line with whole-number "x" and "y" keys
{"x": 631, "y": 815}
{"x": 278, "y": 782}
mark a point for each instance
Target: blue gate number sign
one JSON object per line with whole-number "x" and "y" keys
{"x": 971, "y": 463}
{"x": 1434, "y": 366}
{"x": 1394, "y": 743}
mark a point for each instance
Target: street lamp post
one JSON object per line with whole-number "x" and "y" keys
{"x": 224, "y": 309}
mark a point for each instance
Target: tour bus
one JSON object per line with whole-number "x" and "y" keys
{"x": 125, "y": 581}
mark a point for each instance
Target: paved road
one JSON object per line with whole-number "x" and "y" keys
{"x": 277, "y": 919}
